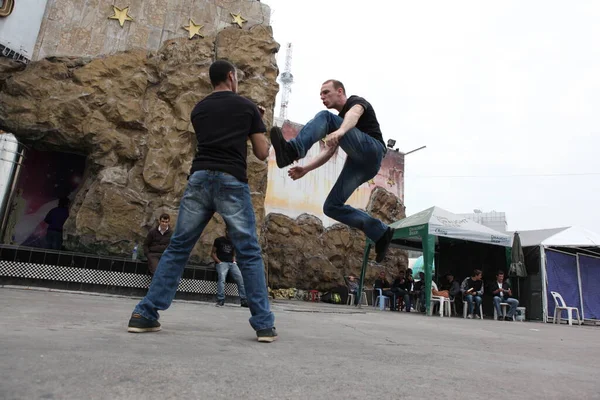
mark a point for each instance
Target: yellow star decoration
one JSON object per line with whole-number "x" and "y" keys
{"x": 121, "y": 14}
{"x": 238, "y": 19}
{"x": 193, "y": 29}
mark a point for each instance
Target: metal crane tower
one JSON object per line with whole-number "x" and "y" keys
{"x": 286, "y": 80}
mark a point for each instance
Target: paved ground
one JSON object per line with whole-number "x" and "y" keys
{"x": 56, "y": 345}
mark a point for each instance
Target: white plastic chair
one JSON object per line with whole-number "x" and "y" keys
{"x": 363, "y": 299}
{"x": 503, "y": 307}
{"x": 560, "y": 306}
{"x": 443, "y": 302}
{"x": 466, "y": 308}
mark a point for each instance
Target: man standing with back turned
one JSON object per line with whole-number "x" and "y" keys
{"x": 356, "y": 130}
{"x": 223, "y": 121}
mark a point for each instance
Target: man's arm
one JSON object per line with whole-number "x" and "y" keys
{"x": 350, "y": 120}
{"x": 463, "y": 286}
{"x": 213, "y": 254}
{"x": 260, "y": 146}
{"x": 147, "y": 243}
{"x": 480, "y": 293}
{"x": 298, "y": 171}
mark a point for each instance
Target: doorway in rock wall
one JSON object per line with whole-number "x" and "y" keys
{"x": 45, "y": 177}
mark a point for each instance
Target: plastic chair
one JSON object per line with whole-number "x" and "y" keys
{"x": 443, "y": 302}
{"x": 561, "y": 306}
{"x": 363, "y": 299}
{"x": 380, "y": 300}
{"x": 504, "y": 308}
{"x": 466, "y": 307}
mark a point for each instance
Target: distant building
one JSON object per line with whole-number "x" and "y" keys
{"x": 493, "y": 219}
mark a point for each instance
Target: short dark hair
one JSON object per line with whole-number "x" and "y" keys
{"x": 219, "y": 70}
{"x": 500, "y": 272}
{"x": 164, "y": 216}
{"x": 336, "y": 84}
{"x": 476, "y": 272}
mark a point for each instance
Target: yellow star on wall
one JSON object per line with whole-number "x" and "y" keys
{"x": 193, "y": 29}
{"x": 121, "y": 14}
{"x": 238, "y": 19}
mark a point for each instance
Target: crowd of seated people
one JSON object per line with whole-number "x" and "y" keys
{"x": 404, "y": 290}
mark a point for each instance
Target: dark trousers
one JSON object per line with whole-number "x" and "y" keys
{"x": 54, "y": 240}
{"x": 153, "y": 259}
{"x": 398, "y": 293}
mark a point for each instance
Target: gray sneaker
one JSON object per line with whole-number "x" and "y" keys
{"x": 267, "y": 335}
{"x": 220, "y": 303}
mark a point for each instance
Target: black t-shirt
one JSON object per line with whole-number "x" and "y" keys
{"x": 380, "y": 284}
{"x": 367, "y": 122}
{"x": 223, "y": 121}
{"x": 224, "y": 249}
{"x": 406, "y": 285}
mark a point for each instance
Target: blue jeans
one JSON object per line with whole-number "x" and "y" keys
{"x": 363, "y": 162}
{"x": 472, "y": 301}
{"x": 514, "y": 303}
{"x": 222, "y": 269}
{"x": 208, "y": 192}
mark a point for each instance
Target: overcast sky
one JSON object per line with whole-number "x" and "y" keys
{"x": 492, "y": 89}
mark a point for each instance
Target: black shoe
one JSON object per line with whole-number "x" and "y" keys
{"x": 267, "y": 335}
{"x": 382, "y": 245}
{"x": 243, "y": 303}
{"x": 508, "y": 319}
{"x": 220, "y": 303}
{"x": 284, "y": 152}
{"x": 139, "y": 324}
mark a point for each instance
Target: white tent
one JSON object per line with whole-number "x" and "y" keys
{"x": 572, "y": 236}
{"x": 569, "y": 260}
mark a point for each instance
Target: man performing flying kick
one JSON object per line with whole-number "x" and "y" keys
{"x": 356, "y": 130}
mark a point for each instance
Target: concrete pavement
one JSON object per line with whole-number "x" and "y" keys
{"x": 57, "y": 345}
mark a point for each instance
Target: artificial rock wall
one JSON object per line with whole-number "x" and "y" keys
{"x": 129, "y": 113}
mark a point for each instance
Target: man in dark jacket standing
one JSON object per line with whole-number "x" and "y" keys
{"x": 157, "y": 242}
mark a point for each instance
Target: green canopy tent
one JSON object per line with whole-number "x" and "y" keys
{"x": 422, "y": 230}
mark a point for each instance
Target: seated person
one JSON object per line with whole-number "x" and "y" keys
{"x": 381, "y": 283}
{"x": 472, "y": 291}
{"x": 401, "y": 287}
{"x": 353, "y": 287}
{"x": 438, "y": 293}
{"x": 452, "y": 285}
{"x": 503, "y": 294}
{"x": 418, "y": 292}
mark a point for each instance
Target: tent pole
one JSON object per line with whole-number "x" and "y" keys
{"x": 428, "y": 254}
{"x": 363, "y": 273}
{"x": 544, "y": 284}
{"x": 580, "y": 287}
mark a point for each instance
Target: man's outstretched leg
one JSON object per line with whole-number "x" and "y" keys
{"x": 192, "y": 219}
{"x": 316, "y": 129}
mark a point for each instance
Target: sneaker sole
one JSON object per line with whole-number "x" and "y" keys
{"x": 143, "y": 330}
{"x": 277, "y": 141}
{"x": 267, "y": 339}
